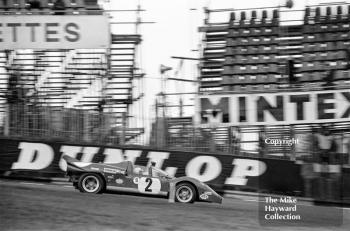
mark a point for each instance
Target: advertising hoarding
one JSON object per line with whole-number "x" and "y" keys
{"x": 54, "y": 32}
{"x": 274, "y": 108}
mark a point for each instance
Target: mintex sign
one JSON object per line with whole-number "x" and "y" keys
{"x": 54, "y": 32}
{"x": 274, "y": 108}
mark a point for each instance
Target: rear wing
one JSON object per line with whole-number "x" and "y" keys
{"x": 69, "y": 159}
{"x": 72, "y": 164}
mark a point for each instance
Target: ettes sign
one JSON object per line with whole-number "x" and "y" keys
{"x": 54, "y": 32}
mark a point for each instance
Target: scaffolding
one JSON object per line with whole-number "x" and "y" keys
{"x": 253, "y": 51}
{"x": 256, "y": 51}
{"x": 95, "y": 82}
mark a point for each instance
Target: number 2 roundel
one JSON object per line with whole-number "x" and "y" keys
{"x": 149, "y": 185}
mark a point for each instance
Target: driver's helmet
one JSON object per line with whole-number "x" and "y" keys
{"x": 137, "y": 170}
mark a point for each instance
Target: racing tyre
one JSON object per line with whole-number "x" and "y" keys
{"x": 90, "y": 183}
{"x": 185, "y": 193}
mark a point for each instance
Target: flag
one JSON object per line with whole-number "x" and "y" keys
{"x": 164, "y": 69}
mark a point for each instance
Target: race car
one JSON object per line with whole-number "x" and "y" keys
{"x": 127, "y": 177}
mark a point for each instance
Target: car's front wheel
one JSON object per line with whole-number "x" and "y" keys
{"x": 185, "y": 193}
{"x": 90, "y": 183}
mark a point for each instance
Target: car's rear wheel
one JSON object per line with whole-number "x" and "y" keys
{"x": 185, "y": 193}
{"x": 90, "y": 183}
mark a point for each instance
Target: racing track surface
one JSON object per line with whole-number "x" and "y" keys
{"x": 36, "y": 206}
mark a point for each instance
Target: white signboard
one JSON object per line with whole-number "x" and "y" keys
{"x": 274, "y": 108}
{"x": 54, "y": 32}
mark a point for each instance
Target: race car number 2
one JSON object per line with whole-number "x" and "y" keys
{"x": 149, "y": 185}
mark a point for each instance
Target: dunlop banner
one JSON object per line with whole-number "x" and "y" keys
{"x": 43, "y": 159}
{"x": 54, "y": 32}
{"x": 274, "y": 108}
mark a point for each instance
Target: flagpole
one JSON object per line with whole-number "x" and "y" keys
{"x": 163, "y": 70}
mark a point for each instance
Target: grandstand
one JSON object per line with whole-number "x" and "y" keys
{"x": 251, "y": 53}
{"x": 257, "y": 52}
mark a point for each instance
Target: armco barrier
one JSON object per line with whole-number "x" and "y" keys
{"x": 43, "y": 160}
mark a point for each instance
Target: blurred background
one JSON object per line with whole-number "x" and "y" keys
{"x": 145, "y": 88}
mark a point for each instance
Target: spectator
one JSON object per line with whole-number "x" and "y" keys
{"x": 329, "y": 179}
{"x": 308, "y": 174}
{"x": 262, "y": 145}
{"x": 235, "y": 140}
{"x": 347, "y": 148}
{"x": 326, "y": 145}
